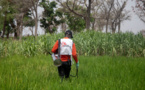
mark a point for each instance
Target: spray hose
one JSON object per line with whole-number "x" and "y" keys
{"x": 76, "y": 74}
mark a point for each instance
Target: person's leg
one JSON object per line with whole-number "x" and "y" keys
{"x": 61, "y": 71}
{"x": 67, "y": 69}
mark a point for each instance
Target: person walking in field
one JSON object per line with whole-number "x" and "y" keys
{"x": 66, "y": 50}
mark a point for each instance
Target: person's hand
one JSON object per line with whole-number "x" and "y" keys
{"x": 77, "y": 65}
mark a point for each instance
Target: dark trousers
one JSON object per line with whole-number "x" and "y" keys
{"x": 64, "y": 69}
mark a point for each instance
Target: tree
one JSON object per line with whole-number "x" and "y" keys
{"x": 29, "y": 22}
{"x": 73, "y": 21}
{"x": 34, "y": 6}
{"x": 117, "y": 11}
{"x": 3, "y": 11}
{"x": 107, "y": 7}
{"x": 139, "y": 9}
{"x": 87, "y": 4}
{"x": 22, "y": 8}
{"x": 114, "y": 13}
{"x": 6, "y": 17}
{"x": 50, "y": 19}
{"x": 96, "y": 21}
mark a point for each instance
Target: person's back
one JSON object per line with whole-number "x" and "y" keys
{"x": 67, "y": 49}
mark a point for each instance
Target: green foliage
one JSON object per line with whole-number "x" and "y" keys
{"x": 75, "y": 23}
{"x": 27, "y": 20}
{"x": 7, "y": 9}
{"x": 50, "y": 16}
{"x": 7, "y": 15}
{"x": 97, "y": 43}
{"x": 87, "y": 43}
{"x": 95, "y": 73}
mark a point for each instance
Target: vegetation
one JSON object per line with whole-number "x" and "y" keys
{"x": 76, "y": 15}
{"x": 74, "y": 23}
{"x": 139, "y": 9}
{"x": 87, "y": 43}
{"x": 25, "y": 63}
{"x": 50, "y": 16}
{"x": 37, "y": 73}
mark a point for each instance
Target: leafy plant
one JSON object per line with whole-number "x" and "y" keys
{"x": 87, "y": 43}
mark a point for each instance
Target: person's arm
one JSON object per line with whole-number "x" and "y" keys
{"x": 55, "y": 47}
{"x": 74, "y": 53}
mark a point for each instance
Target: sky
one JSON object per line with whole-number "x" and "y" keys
{"x": 134, "y": 25}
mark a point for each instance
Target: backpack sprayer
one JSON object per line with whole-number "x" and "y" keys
{"x": 56, "y": 60}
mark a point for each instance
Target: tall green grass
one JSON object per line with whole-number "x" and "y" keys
{"x": 95, "y": 73}
{"x": 87, "y": 43}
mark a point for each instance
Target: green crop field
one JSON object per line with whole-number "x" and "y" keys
{"x": 107, "y": 62}
{"x": 109, "y": 57}
{"x": 87, "y": 43}
{"x": 95, "y": 73}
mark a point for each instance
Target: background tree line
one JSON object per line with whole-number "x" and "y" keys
{"x": 76, "y": 15}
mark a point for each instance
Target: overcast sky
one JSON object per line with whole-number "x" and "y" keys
{"x": 135, "y": 24}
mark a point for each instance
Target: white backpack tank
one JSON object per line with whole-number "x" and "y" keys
{"x": 66, "y": 46}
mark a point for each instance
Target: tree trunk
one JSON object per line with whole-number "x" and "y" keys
{"x": 36, "y": 26}
{"x": 93, "y": 25}
{"x": 113, "y": 30}
{"x": 88, "y": 15}
{"x": 99, "y": 25}
{"x": 14, "y": 28}
{"x": 114, "y": 25}
{"x": 35, "y": 14}
{"x": 119, "y": 25}
{"x": 8, "y": 33}
{"x": 4, "y": 25}
{"x": 36, "y": 19}
{"x": 16, "y": 31}
{"x": 108, "y": 15}
{"x": 21, "y": 28}
{"x": 107, "y": 25}
{"x": 15, "y": 34}
{"x": 63, "y": 26}
{"x": 87, "y": 23}
{"x": 18, "y": 28}
{"x": 31, "y": 29}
